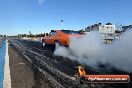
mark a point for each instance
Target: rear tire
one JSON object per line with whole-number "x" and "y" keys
{"x": 57, "y": 42}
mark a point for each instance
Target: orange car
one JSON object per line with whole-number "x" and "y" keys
{"x": 60, "y": 36}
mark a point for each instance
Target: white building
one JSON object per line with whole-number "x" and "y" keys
{"x": 107, "y": 31}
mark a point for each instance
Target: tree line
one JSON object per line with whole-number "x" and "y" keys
{"x": 31, "y": 35}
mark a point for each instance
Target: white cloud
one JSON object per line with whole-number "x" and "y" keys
{"x": 40, "y": 2}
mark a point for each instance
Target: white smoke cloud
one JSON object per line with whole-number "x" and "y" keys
{"x": 90, "y": 50}
{"x": 119, "y": 54}
{"x": 40, "y": 2}
{"x": 82, "y": 49}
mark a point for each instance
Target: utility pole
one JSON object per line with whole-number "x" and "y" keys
{"x": 45, "y": 31}
{"x": 45, "y": 28}
{"x": 30, "y": 33}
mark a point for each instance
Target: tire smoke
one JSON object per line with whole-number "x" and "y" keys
{"x": 90, "y": 50}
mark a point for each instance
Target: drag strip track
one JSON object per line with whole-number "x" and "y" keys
{"x": 58, "y": 70}
{"x": 45, "y": 65}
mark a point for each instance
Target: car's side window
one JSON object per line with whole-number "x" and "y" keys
{"x": 52, "y": 33}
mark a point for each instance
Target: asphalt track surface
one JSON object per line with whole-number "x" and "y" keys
{"x": 52, "y": 71}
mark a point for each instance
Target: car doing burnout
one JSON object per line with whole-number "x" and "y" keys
{"x": 60, "y": 36}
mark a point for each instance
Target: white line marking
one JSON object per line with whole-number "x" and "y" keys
{"x": 7, "y": 77}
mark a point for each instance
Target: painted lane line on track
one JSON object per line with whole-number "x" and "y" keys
{"x": 7, "y": 77}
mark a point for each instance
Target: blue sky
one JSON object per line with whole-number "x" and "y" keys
{"x": 20, "y": 16}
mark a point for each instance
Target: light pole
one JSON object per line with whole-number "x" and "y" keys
{"x": 45, "y": 30}
{"x": 62, "y": 23}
